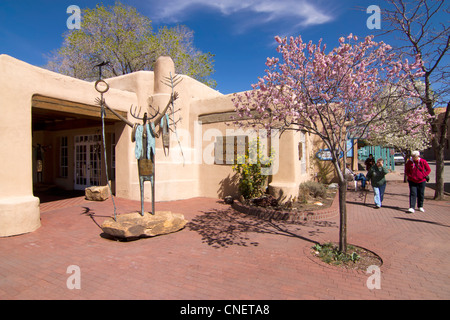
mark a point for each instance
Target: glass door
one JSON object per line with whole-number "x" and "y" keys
{"x": 88, "y": 164}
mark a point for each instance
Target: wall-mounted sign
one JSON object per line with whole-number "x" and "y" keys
{"x": 325, "y": 155}
{"x": 349, "y": 148}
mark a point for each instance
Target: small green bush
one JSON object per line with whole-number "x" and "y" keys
{"x": 251, "y": 180}
{"x": 330, "y": 254}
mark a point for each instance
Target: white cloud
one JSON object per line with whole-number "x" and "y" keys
{"x": 305, "y": 12}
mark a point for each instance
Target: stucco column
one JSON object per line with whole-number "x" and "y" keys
{"x": 286, "y": 181}
{"x": 19, "y": 209}
{"x": 164, "y": 67}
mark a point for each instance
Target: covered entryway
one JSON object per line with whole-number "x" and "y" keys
{"x": 42, "y": 112}
{"x": 67, "y": 145}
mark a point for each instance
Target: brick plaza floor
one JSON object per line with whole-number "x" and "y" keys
{"x": 223, "y": 254}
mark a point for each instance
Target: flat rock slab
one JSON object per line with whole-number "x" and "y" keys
{"x": 134, "y": 225}
{"x": 100, "y": 193}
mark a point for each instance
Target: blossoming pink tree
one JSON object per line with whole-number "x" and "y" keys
{"x": 328, "y": 94}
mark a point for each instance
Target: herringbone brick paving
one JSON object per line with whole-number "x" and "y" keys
{"x": 223, "y": 254}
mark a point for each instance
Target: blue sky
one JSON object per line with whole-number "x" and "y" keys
{"x": 239, "y": 32}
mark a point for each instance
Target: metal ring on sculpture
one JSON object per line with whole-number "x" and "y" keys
{"x": 101, "y": 82}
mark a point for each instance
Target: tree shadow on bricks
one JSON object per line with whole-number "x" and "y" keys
{"x": 224, "y": 228}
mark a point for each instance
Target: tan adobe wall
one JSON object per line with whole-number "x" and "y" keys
{"x": 177, "y": 177}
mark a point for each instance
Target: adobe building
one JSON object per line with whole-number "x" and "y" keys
{"x": 51, "y": 134}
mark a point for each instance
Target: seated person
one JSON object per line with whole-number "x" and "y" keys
{"x": 356, "y": 176}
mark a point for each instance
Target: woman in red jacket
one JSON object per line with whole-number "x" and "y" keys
{"x": 417, "y": 171}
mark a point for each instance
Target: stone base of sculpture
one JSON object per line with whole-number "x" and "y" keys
{"x": 132, "y": 226}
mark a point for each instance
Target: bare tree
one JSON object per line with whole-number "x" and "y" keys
{"x": 422, "y": 26}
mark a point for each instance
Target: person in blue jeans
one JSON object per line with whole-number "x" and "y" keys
{"x": 377, "y": 174}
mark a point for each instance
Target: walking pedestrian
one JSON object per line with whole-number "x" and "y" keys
{"x": 377, "y": 178}
{"x": 417, "y": 171}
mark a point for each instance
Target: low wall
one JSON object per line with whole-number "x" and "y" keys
{"x": 289, "y": 216}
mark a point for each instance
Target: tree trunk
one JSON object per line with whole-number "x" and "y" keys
{"x": 342, "y": 204}
{"x": 407, "y": 156}
{"x": 439, "y": 153}
{"x": 439, "y": 143}
{"x": 342, "y": 216}
{"x": 439, "y": 140}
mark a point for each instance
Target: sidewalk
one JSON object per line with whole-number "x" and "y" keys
{"x": 222, "y": 254}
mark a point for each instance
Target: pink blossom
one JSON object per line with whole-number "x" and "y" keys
{"x": 310, "y": 83}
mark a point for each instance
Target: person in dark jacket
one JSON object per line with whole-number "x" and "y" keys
{"x": 417, "y": 170}
{"x": 370, "y": 161}
{"x": 377, "y": 178}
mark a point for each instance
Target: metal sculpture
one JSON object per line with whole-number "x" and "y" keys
{"x": 144, "y": 134}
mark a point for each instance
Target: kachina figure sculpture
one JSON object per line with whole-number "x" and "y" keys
{"x": 144, "y": 134}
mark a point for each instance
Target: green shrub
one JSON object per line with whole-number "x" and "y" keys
{"x": 251, "y": 180}
{"x": 329, "y": 253}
